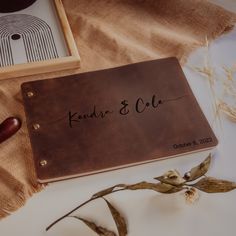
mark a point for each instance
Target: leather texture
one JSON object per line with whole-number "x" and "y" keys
{"x": 102, "y": 120}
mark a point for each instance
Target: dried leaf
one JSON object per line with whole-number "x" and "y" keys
{"x": 212, "y": 185}
{"x": 119, "y": 219}
{"x": 172, "y": 177}
{"x": 174, "y": 189}
{"x": 199, "y": 170}
{"x": 159, "y": 187}
{"x": 108, "y": 190}
{"x": 101, "y": 231}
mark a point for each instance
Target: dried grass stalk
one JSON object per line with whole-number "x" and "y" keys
{"x": 228, "y": 110}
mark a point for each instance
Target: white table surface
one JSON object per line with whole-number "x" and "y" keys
{"x": 148, "y": 213}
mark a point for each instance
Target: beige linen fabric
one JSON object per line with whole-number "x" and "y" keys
{"x": 108, "y": 33}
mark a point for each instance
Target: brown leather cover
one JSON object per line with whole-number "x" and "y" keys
{"x": 101, "y": 120}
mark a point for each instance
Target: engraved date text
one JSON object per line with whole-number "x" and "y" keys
{"x": 193, "y": 143}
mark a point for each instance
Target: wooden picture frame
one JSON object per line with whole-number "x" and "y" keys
{"x": 70, "y": 61}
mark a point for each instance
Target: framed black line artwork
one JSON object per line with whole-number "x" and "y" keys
{"x": 35, "y": 37}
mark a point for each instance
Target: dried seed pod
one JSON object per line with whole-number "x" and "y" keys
{"x": 9, "y": 127}
{"x": 191, "y": 195}
{"x": 198, "y": 171}
{"x": 172, "y": 177}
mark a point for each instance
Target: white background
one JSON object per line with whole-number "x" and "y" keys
{"x": 148, "y": 213}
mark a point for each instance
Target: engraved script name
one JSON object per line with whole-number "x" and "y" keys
{"x": 139, "y": 106}
{"x": 76, "y": 117}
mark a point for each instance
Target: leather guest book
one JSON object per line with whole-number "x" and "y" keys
{"x": 103, "y": 120}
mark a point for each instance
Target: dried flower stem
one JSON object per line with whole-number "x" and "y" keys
{"x": 77, "y": 208}
{"x": 170, "y": 182}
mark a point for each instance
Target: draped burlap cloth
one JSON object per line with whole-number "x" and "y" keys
{"x": 108, "y": 33}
